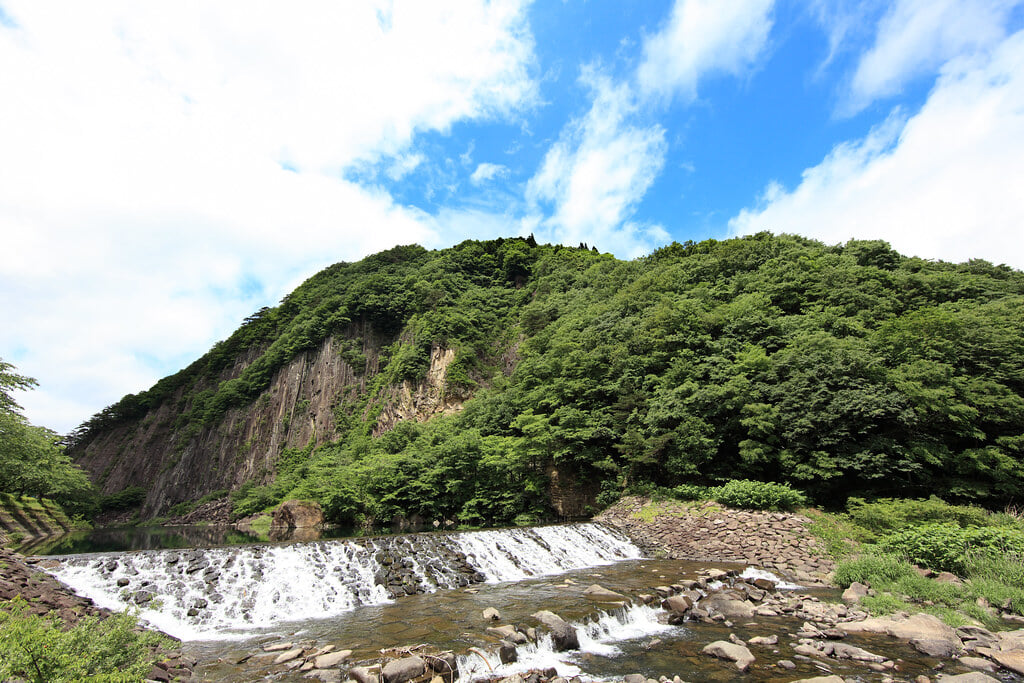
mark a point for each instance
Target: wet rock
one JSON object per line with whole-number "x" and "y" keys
{"x": 925, "y": 632}
{"x": 821, "y": 679}
{"x": 360, "y": 674}
{"x": 786, "y": 664}
{"x": 728, "y": 606}
{"x": 491, "y": 614}
{"x": 330, "y": 660}
{"x": 1012, "y": 660}
{"x": 680, "y": 604}
{"x": 563, "y": 635}
{"x": 599, "y": 593}
{"x": 978, "y": 663}
{"x": 277, "y": 647}
{"x": 973, "y": 677}
{"x": 401, "y": 670}
{"x": 288, "y": 655}
{"x": 765, "y": 641}
{"x": 732, "y": 652}
{"x": 634, "y": 678}
{"x": 122, "y": 582}
{"x": 507, "y": 652}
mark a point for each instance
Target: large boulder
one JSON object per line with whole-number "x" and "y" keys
{"x": 599, "y": 593}
{"x": 728, "y": 605}
{"x": 563, "y": 635}
{"x": 297, "y": 514}
{"x": 731, "y": 652}
{"x": 402, "y": 670}
{"x": 926, "y": 633}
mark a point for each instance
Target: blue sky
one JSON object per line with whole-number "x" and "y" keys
{"x": 167, "y": 169}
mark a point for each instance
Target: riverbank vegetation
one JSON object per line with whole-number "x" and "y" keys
{"x": 887, "y": 544}
{"x": 33, "y": 461}
{"x": 42, "y": 649}
{"x": 841, "y": 371}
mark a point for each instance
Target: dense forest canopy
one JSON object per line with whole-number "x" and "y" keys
{"x": 843, "y": 370}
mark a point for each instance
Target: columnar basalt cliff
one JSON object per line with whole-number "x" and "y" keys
{"x": 295, "y": 411}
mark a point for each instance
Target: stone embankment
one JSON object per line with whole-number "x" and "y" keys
{"x": 777, "y": 541}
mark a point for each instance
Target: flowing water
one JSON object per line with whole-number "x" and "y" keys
{"x": 226, "y": 602}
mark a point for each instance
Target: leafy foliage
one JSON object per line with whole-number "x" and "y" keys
{"x": 945, "y": 547}
{"x": 838, "y": 371}
{"x": 32, "y": 459}
{"x": 758, "y": 495}
{"x": 40, "y": 649}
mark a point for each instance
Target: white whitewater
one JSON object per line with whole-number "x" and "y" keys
{"x": 516, "y": 554}
{"x": 598, "y": 637}
{"x": 230, "y": 592}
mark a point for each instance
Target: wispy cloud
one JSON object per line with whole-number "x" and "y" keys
{"x": 943, "y": 183}
{"x": 916, "y": 37}
{"x": 597, "y": 172}
{"x": 703, "y": 37}
{"x": 486, "y": 171}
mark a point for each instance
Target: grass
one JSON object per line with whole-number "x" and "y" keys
{"x": 861, "y": 541}
{"x": 261, "y": 525}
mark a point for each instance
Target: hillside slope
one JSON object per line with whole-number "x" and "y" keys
{"x": 558, "y": 377}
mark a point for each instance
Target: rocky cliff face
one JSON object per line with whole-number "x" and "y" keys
{"x": 175, "y": 465}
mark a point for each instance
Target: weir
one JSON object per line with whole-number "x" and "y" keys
{"x": 219, "y": 592}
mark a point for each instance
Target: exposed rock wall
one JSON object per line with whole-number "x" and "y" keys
{"x": 297, "y": 409}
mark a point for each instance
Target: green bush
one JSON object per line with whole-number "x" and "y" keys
{"x": 946, "y": 547}
{"x": 39, "y": 650}
{"x": 889, "y": 514}
{"x": 872, "y": 569}
{"x": 124, "y": 499}
{"x": 758, "y": 495}
{"x": 692, "y": 492}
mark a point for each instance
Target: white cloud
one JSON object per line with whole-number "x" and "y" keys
{"x": 597, "y": 173}
{"x": 165, "y": 169}
{"x": 700, "y": 38}
{"x": 944, "y": 183}
{"x": 404, "y": 165}
{"x": 916, "y": 37}
{"x": 485, "y": 172}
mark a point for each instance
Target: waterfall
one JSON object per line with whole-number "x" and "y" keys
{"x": 598, "y": 637}
{"x": 220, "y": 592}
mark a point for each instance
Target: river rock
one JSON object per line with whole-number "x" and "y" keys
{"x": 728, "y": 606}
{"x": 360, "y": 674}
{"x": 288, "y": 655}
{"x": 926, "y": 633}
{"x": 821, "y": 679}
{"x": 491, "y": 614}
{"x": 562, "y": 633}
{"x": 680, "y": 604}
{"x": 507, "y": 652}
{"x": 599, "y": 593}
{"x": 978, "y": 663}
{"x": 855, "y": 592}
{"x": 297, "y": 514}
{"x": 401, "y": 670}
{"x": 732, "y": 652}
{"x": 765, "y": 641}
{"x": 332, "y": 659}
{"x": 1012, "y": 660}
{"x": 973, "y": 677}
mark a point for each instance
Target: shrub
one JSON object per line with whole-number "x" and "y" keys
{"x": 946, "y": 547}
{"x": 692, "y": 492}
{"x": 124, "y": 499}
{"x": 38, "y": 649}
{"x": 872, "y": 569}
{"x": 758, "y": 495}
{"x": 888, "y": 514}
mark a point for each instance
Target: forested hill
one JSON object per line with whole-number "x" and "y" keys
{"x": 554, "y": 378}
